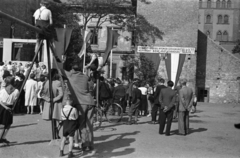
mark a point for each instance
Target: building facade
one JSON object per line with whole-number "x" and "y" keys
{"x": 220, "y": 20}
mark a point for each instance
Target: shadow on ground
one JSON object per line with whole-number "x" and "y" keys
{"x": 106, "y": 148}
{"x": 23, "y": 125}
{"x": 191, "y": 130}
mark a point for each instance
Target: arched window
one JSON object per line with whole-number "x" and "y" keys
{"x": 225, "y": 36}
{"x": 209, "y": 4}
{"x": 229, "y": 4}
{"x": 200, "y": 3}
{"x": 219, "y": 36}
{"x": 208, "y": 19}
{"x": 219, "y": 19}
{"x": 223, "y": 4}
{"x": 218, "y": 4}
{"x": 208, "y": 33}
{"x": 226, "y": 19}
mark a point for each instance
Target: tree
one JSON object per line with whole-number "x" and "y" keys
{"x": 236, "y": 48}
{"x": 141, "y": 66}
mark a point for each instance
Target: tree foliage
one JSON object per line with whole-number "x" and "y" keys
{"x": 141, "y": 66}
{"x": 236, "y": 48}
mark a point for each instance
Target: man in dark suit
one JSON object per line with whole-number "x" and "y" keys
{"x": 156, "y": 105}
{"x": 185, "y": 105}
{"x": 167, "y": 99}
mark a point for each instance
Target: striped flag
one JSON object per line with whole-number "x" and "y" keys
{"x": 87, "y": 37}
{"x": 112, "y": 37}
{"x": 174, "y": 64}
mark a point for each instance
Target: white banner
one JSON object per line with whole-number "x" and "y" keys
{"x": 179, "y": 50}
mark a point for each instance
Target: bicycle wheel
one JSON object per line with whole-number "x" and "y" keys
{"x": 97, "y": 118}
{"x": 114, "y": 113}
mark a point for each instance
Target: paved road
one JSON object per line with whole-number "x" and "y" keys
{"x": 212, "y": 135}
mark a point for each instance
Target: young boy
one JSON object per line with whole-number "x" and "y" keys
{"x": 69, "y": 117}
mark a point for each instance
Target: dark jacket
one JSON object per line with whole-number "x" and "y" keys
{"x": 119, "y": 91}
{"x": 157, "y": 93}
{"x": 136, "y": 95}
{"x": 185, "y": 98}
{"x": 167, "y": 98}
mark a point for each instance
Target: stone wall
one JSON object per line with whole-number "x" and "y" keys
{"x": 217, "y": 70}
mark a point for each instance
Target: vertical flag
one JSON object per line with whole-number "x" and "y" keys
{"x": 86, "y": 38}
{"x": 174, "y": 64}
{"x": 112, "y": 37}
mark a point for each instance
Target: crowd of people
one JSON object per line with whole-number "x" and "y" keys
{"x": 73, "y": 98}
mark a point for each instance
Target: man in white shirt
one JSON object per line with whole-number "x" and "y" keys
{"x": 43, "y": 20}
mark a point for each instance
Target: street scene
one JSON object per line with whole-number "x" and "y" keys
{"x": 119, "y": 78}
{"x": 212, "y": 135}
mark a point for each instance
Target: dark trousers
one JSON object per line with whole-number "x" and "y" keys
{"x": 155, "y": 108}
{"x": 183, "y": 122}
{"x": 163, "y": 117}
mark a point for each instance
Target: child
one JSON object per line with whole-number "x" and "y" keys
{"x": 69, "y": 117}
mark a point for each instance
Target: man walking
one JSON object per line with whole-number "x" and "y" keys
{"x": 156, "y": 105}
{"x": 185, "y": 105}
{"x": 167, "y": 99}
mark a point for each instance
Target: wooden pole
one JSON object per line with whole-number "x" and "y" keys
{"x": 50, "y": 89}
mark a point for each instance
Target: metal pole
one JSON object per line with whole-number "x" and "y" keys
{"x": 97, "y": 93}
{"x": 50, "y": 89}
{"x": 111, "y": 64}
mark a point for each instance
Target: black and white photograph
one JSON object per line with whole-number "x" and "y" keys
{"x": 119, "y": 78}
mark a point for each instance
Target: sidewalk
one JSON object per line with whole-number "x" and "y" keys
{"x": 212, "y": 135}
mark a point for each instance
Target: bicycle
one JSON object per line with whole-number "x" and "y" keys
{"x": 113, "y": 113}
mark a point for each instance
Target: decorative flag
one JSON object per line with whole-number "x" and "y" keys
{"x": 112, "y": 37}
{"x": 87, "y": 37}
{"x": 174, "y": 64}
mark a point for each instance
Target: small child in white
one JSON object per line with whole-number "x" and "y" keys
{"x": 69, "y": 117}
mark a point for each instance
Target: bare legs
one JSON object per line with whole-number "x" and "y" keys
{"x": 63, "y": 144}
{"x": 28, "y": 107}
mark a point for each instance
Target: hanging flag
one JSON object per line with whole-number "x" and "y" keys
{"x": 112, "y": 37}
{"x": 86, "y": 39}
{"x": 180, "y": 66}
{"x": 174, "y": 63}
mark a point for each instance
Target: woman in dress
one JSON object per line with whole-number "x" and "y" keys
{"x": 57, "y": 98}
{"x": 30, "y": 93}
{"x": 8, "y": 95}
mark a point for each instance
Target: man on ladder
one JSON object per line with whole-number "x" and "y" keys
{"x": 43, "y": 20}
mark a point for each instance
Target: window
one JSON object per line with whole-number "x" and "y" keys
{"x": 208, "y": 19}
{"x": 116, "y": 42}
{"x": 229, "y": 4}
{"x": 94, "y": 38}
{"x": 218, "y": 4}
{"x": 223, "y": 4}
{"x": 208, "y": 33}
{"x": 225, "y": 36}
{"x": 219, "y": 36}
{"x": 200, "y": 3}
{"x": 226, "y": 19}
{"x": 219, "y": 19}
{"x": 209, "y": 4}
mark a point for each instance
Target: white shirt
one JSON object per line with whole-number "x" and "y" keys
{"x": 66, "y": 109}
{"x": 46, "y": 14}
{"x": 143, "y": 90}
{"x": 8, "y": 99}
